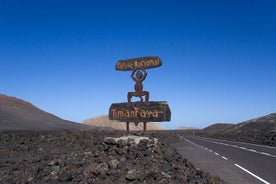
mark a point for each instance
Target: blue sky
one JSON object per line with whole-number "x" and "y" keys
{"x": 219, "y": 57}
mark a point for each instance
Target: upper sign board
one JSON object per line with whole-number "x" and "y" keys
{"x": 138, "y": 63}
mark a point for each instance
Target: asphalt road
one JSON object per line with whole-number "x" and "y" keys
{"x": 233, "y": 162}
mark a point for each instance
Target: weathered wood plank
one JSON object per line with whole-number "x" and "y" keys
{"x": 138, "y": 63}
{"x": 154, "y": 111}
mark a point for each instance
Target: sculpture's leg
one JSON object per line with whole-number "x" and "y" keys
{"x": 129, "y": 96}
{"x": 146, "y": 93}
{"x": 147, "y": 96}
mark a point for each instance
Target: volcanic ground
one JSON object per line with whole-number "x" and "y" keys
{"x": 95, "y": 157}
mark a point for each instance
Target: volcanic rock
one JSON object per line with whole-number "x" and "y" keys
{"x": 53, "y": 157}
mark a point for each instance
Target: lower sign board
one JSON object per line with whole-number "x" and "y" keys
{"x": 153, "y": 111}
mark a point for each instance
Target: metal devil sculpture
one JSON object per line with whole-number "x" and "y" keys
{"x": 143, "y": 110}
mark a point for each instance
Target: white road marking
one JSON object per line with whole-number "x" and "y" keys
{"x": 193, "y": 143}
{"x": 245, "y": 143}
{"x": 240, "y": 147}
{"x": 267, "y": 154}
{"x": 216, "y": 153}
{"x": 252, "y": 174}
{"x": 224, "y": 158}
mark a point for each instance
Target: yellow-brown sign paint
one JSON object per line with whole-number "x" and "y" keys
{"x": 140, "y": 112}
{"x": 138, "y": 63}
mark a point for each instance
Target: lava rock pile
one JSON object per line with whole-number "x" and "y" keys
{"x": 92, "y": 157}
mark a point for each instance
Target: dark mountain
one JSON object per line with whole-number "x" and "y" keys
{"x": 262, "y": 124}
{"x": 17, "y": 114}
{"x": 186, "y": 128}
{"x": 260, "y": 130}
{"x": 218, "y": 127}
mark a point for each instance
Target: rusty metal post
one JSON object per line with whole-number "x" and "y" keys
{"x": 127, "y": 127}
{"x": 145, "y": 126}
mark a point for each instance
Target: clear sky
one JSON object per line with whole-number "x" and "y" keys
{"x": 219, "y": 57}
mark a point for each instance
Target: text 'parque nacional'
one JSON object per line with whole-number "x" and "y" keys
{"x": 138, "y": 63}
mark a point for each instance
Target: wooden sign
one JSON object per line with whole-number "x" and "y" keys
{"x": 138, "y": 63}
{"x": 153, "y": 111}
{"x": 144, "y": 110}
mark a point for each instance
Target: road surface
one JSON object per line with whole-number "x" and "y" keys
{"x": 233, "y": 162}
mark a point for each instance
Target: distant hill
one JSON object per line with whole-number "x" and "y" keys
{"x": 17, "y": 114}
{"x": 265, "y": 123}
{"x": 103, "y": 121}
{"x": 260, "y": 130}
{"x": 186, "y": 128}
{"x": 262, "y": 124}
{"x": 218, "y": 127}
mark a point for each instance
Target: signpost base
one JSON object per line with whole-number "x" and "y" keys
{"x": 145, "y": 126}
{"x": 144, "y": 129}
{"x": 127, "y": 127}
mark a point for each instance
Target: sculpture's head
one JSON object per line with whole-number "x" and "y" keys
{"x": 139, "y": 75}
